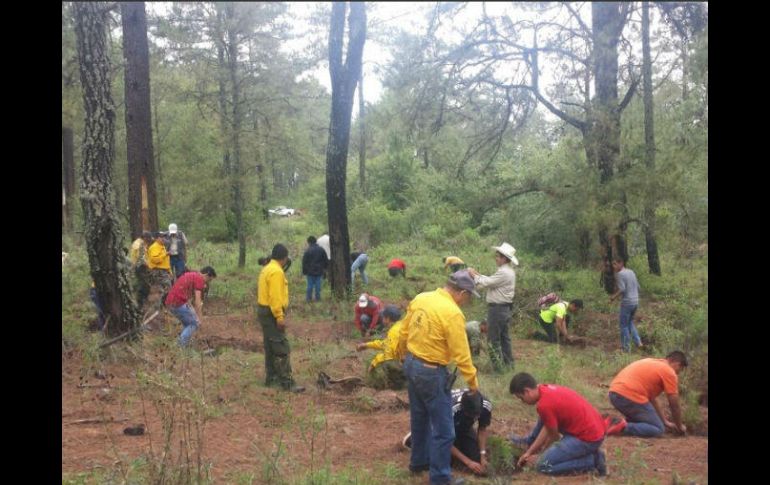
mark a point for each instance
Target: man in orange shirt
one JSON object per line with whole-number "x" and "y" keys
{"x": 634, "y": 393}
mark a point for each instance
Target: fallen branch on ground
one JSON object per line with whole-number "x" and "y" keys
{"x": 97, "y": 421}
{"x": 143, "y": 326}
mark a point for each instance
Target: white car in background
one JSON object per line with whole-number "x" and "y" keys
{"x": 282, "y": 211}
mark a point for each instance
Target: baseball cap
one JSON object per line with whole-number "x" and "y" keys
{"x": 462, "y": 279}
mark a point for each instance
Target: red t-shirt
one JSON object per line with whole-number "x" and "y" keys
{"x": 396, "y": 263}
{"x": 563, "y": 409}
{"x": 184, "y": 288}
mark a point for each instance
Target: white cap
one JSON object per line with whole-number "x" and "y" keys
{"x": 363, "y": 300}
{"x": 172, "y": 228}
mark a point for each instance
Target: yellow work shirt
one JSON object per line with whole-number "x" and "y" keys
{"x": 433, "y": 330}
{"x": 556, "y": 310}
{"x": 388, "y": 345}
{"x": 157, "y": 257}
{"x": 273, "y": 289}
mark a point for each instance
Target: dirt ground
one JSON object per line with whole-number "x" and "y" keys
{"x": 360, "y": 427}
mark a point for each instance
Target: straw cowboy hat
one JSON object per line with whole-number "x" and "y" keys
{"x": 508, "y": 251}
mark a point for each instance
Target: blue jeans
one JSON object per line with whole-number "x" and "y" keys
{"x": 642, "y": 419}
{"x": 186, "y": 314}
{"x": 177, "y": 265}
{"x": 360, "y": 265}
{"x": 313, "y": 282}
{"x": 430, "y": 418}
{"x": 627, "y": 328}
{"x": 568, "y": 455}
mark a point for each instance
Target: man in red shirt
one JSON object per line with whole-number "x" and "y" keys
{"x": 635, "y": 390}
{"x": 368, "y": 314}
{"x": 188, "y": 287}
{"x": 560, "y": 411}
{"x": 396, "y": 267}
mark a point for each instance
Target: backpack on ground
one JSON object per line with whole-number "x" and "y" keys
{"x": 545, "y": 301}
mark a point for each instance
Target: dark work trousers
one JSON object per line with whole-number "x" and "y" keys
{"x": 277, "y": 351}
{"x": 499, "y": 321}
{"x": 550, "y": 329}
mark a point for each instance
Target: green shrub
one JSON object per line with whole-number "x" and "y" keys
{"x": 503, "y": 456}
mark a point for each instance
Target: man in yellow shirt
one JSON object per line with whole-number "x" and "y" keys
{"x": 159, "y": 264}
{"x": 138, "y": 256}
{"x": 385, "y": 370}
{"x": 272, "y": 302}
{"x": 432, "y": 335}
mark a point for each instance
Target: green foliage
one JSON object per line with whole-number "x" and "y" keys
{"x": 503, "y": 456}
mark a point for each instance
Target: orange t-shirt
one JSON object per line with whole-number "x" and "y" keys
{"x": 645, "y": 379}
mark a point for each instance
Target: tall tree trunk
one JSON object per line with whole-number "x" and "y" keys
{"x": 68, "y": 177}
{"x": 102, "y": 231}
{"x": 344, "y": 79}
{"x": 261, "y": 175}
{"x": 685, "y": 69}
{"x": 142, "y": 196}
{"x": 224, "y": 125}
{"x": 653, "y": 261}
{"x": 608, "y": 19}
{"x": 235, "y": 141}
{"x": 162, "y": 188}
{"x": 362, "y": 136}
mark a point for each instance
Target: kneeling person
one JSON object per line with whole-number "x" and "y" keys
{"x": 385, "y": 369}
{"x": 560, "y": 411}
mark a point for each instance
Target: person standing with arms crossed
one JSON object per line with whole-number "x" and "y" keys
{"x": 500, "y": 290}
{"x": 432, "y": 335}
{"x": 272, "y": 302}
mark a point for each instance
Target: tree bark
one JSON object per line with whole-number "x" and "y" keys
{"x": 68, "y": 177}
{"x": 235, "y": 140}
{"x": 362, "y": 136}
{"x": 261, "y": 175}
{"x": 344, "y": 79}
{"x": 142, "y": 194}
{"x": 107, "y": 262}
{"x": 608, "y": 19}
{"x": 653, "y": 261}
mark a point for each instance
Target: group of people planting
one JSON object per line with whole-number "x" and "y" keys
{"x": 446, "y": 424}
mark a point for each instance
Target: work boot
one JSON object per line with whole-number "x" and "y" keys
{"x": 617, "y": 426}
{"x": 457, "y": 481}
{"x": 601, "y": 464}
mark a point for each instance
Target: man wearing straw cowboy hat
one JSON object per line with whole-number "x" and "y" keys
{"x": 500, "y": 289}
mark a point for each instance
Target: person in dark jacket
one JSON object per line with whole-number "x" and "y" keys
{"x": 314, "y": 263}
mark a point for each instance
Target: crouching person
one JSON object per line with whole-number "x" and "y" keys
{"x": 189, "y": 287}
{"x": 385, "y": 371}
{"x": 560, "y": 411}
{"x": 470, "y": 445}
